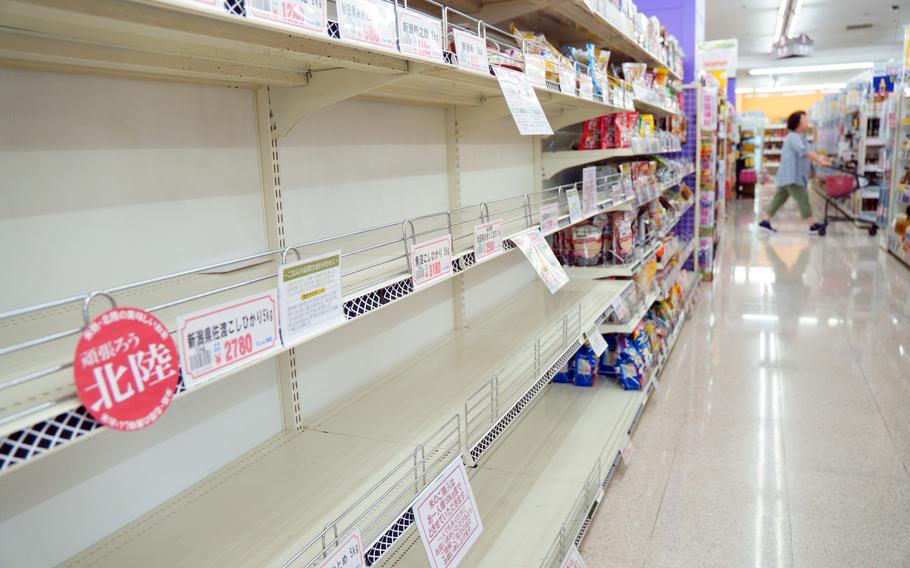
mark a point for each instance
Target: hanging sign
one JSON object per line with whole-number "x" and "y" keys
{"x": 367, "y": 21}
{"x": 589, "y": 190}
{"x": 126, "y": 368}
{"x": 431, "y": 261}
{"x": 309, "y": 296}
{"x": 906, "y": 58}
{"x": 540, "y": 255}
{"x": 597, "y": 341}
{"x": 349, "y": 554}
{"x": 471, "y": 51}
{"x": 585, "y": 87}
{"x": 447, "y": 518}
{"x": 567, "y": 80}
{"x": 717, "y": 56}
{"x": 306, "y": 14}
{"x": 575, "y": 214}
{"x": 536, "y": 69}
{"x": 709, "y": 110}
{"x": 217, "y": 339}
{"x": 419, "y": 34}
{"x": 573, "y": 559}
{"x": 522, "y": 101}
{"x": 549, "y": 218}
{"x": 487, "y": 240}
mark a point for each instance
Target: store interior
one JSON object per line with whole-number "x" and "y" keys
{"x": 381, "y": 283}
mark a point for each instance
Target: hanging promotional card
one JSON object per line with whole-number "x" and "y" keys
{"x": 573, "y": 559}
{"x": 540, "y": 255}
{"x": 597, "y": 341}
{"x": 589, "y": 190}
{"x": 522, "y": 101}
{"x": 419, "y": 34}
{"x": 215, "y": 340}
{"x": 349, "y": 553}
{"x": 575, "y": 214}
{"x": 431, "y": 261}
{"x": 536, "y": 69}
{"x": 304, "y": 14}
{"x": 567, "y": 80}
{"x": 368, "y": 21}
{"x": 488, "y": 240}
{"x": 309, "y": 296}
{"x": 471, "y": 51}
{"x": 585, "y": 87}
{"x": 549, "y": 218}
{"x": 447, "y": 517}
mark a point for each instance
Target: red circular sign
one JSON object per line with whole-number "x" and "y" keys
{"x": 126, "y": 368}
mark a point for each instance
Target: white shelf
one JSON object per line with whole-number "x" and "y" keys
{"x": 556, "y": 162}
{"x": 655, "y": 109}
{"x": 627, "y": 269}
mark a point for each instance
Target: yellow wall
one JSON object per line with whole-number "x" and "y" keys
{"x": 776, "y": 107}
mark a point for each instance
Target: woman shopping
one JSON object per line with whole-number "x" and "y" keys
{"x": 793, "y": 174}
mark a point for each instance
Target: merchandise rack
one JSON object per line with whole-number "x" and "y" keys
{"x": 553, "y": 163}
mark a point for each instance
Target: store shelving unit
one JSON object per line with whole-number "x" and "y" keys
{"x": 894, "y": 239}
{"x": 553, "y": 163}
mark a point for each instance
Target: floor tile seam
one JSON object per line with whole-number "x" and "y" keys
{"x": 786, "y": 468}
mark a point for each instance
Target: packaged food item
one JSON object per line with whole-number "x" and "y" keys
{"x": 564, "y": 375}
{"x": 623, "y": 236}
{"x": 585, "y": 367}
{"x": 587, "y": 242}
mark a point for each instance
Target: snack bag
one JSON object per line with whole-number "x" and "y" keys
{"x": 585, "y": 367}
{"x": 564, "y": 375}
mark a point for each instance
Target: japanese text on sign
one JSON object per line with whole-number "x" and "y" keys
{"x": 447, "y": 518}
{"x": 309, "y": 295}
{"x": 487, "y": 240}
{"x": 540, "y": 255}
{"x": 431, "y": 261}
{"x": 367, "y": 21}
{"x": 585, "y": 87}
{"x": 216, "y": 339}
{"x": 573, "y": 559}
{"x": 306, "y": 14}
{"x": 589, "y": 189}
{"x": 349, "y": 554}
{"x": 126, "y": 368}
{"x": 472, "y": 52}
{"x": 522, "y": 101}
{"x": 549, "y": 218}
{"x": 575, "y": 214}
{"x": 419, "y": 34}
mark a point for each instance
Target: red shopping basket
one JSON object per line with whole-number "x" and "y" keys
{"x": 839, "y": 185}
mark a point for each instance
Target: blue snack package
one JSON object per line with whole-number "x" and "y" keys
{"x": 564, "y": 375}
{"x": 585, "y": 367}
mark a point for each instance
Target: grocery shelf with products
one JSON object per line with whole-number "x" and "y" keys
{"x": 896, "y": 237}
{"x": 712, "y": 118}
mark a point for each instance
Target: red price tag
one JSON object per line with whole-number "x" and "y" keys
{"x": 126, "y": 369}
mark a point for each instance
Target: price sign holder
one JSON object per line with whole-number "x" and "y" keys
{"x": 303, "y": 14}
{"x": 419, "y": 34}
{"x": 309, "y": 296}
{"x": 431, "y": 261}
{"x": 368, "y": 21}
{"x": 488, "y": 240}
{"x": 589, "y": 190}
{"x": 575, "y": 214}
{"x": 471, "y": 51}
{"x": 549, "y": 218}
{"x": 597, "y": 341}
{"x": 349, "y": 554}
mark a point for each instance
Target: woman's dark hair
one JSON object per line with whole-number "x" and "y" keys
{"x": 794, "y": 119}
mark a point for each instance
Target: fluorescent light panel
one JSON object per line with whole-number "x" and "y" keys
{"x": 788, "y": 88}
{"x": 811, "y": 68}
{"x": 791, "y": 25}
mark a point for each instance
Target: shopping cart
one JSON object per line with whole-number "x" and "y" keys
{"x": 839, "y": 185}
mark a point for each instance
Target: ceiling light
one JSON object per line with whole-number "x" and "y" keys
{"x": 744, "y": 90}
{"x": 788, "y": 88}
{"x": 811, "y": 68}
{"x": 791, "y": 24}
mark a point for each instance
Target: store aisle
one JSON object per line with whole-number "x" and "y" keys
{"x": 780, "y": 435}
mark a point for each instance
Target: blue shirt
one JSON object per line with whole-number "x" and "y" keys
{"x": 794, "y": 165}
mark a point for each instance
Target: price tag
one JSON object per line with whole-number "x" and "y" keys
{"x": 472, "y": 52}
{"x": 367, "y": 21}
{"x": 349, "y": 554}
{"x": 309, "y": 296}
{"x": 597, "y": 341}
{"x": 306, "y": 14}
{"x": 419, "y": 34}
{"x": 536, "y": 69}
{"x": 540, "y": 255}
{"x": 567, "y": 80}
{"x": 217, "y": 339}
{"x": 621, "y": 309}
{"x": 431, "y": 261}
{"x": 522, "y": 101}
{"x": 487, "y": 240}
{"x": 585, "y": 87}
{"x": 575, "y": 214}
{"x": 629, "y": 188}
{"x": 619, "y": 194}
{"x": 549, "y": 218}
{"x": 573, "y": 559}
{"x": 589, "y": 190}
{"x": 627, "y": 451}
{"x": 447, "y": 518}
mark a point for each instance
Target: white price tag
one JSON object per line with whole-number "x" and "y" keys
{"x": 585, "y": 87}
{"x": 522, "y": 101}
{"x": 540, "y": 255}
{"x": 627, "y": 451}
{"x": 217, "y": 339}
{"x": 549, "y": 218}
{"x": 306, "y": 14}
{"x": 567, "y": 80}
{"x": 575, "y": 214}
{"x": 619, "y": 194}
{"x": 309, "y": 295}
{"x": 536, "y": 69}
{"x": 589, "y": 190}
{"x": 367, "y": 21}
{"x": 431, "y": 261}
{"x": 621, "y": 309}
{"x": 349, "y": 554}
{"x": 447, "y": 517}
{"x": 487, "y": 240}
{"x": 573, "y": 559}
{"x": 597, "y": 341}
{"x": 472, "y": 52}
{"x": 419, "y": 34}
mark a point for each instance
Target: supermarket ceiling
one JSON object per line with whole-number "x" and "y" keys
{"x": 843, "y": 30}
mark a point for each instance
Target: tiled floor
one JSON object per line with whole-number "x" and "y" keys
{"x": 781, "y": 433}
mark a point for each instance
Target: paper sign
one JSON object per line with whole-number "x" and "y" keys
{"x": 431, "y": 261}
{"x": 621, "y": 309}
{"x": 549, "y": 218}
{"x": 567, "y": 80}
{"x": 619, "y": 193}
{"x": 573, "y": 559}
{"x": 627, "y": 451}
{"x": 575, "y": 215}
{"x": 523, "y": 104}
{"x": 472, "y": 52}
{"x": 419, "y": 34}
{"x": 367, "y": 21}
{"x": 219, "y": 338}
{"x": 536, "y": 69}
{"x": 349, "y": 554}
{"x": 589, "y": 189}
{"x": 487, "y": 240}
{"x": 709, "y": 110}
{"x": 306, "y": 14}
{"x": 597, "y": 341}
{"x": 447, "y": 518}
{"x": 585, "y": 87}
{"x": 126, "y": 368}
{"x": 309, "y": 295}
{"x": 540, "y": 255}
